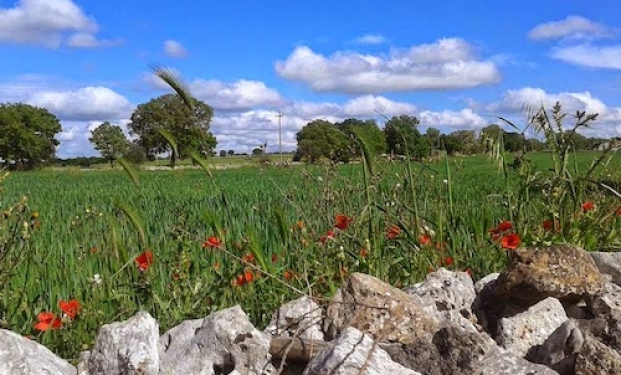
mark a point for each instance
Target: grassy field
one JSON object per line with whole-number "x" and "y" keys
{"x": 259, "y": 236}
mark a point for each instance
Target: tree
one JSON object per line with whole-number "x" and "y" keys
{"x": 135, "y": 154}
{"x": 189, "y": 128}
{"x": 321, "y": 138}
{"x": 231, "y": 152}
{"x": 257, "y": 151}
{"x": 403, "y": 137}
{"x": 27, "y": 135}
{"x": 110, "y": 141}
{"x": 222, "y": 153}
{"x": 367, "y": 130}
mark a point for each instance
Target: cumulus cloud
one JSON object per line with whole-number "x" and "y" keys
{"x": 86, "y": 40}
{"x": 446, "y": 64}
{"x": 172, "y": 48}
{"x": 46, "y": 22}
{"x": 370, "y": 39}
{"x": 608, "y": 57}
{"x": 607, "y": 124}
{"x": 87, "y": 103}
{"x": 572, "y": 27}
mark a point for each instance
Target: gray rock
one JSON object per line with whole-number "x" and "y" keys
{"x": 502, "y": 362}
{"x": 607, "y": 301}
{"x": 19, "y": 355}
{"x": 523, "y": 331}
{"x": 479, "y": 285}
{"x": 608, "y": 264}
{"x": 560, "y": 350}
{"x": 298, "y": 318}
{"x": 125, "y": 348}
{"x": 354, "y": 353}
{"x": 226, "y": 342}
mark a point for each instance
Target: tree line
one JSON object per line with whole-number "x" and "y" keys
{"x": 166, "y": 125}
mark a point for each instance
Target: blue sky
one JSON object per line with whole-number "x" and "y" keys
{"x": 454, "y": 64}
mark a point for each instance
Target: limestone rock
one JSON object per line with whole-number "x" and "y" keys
{"x": 127, "y": 348}
{"x": 376, "y": 308}
{"x": 608, "y": 264}
{"x": 565, "y": 272}
{"x": 298, "y": 318}
{"x": 607, "y": 301}
{"x": 531, "y": 328}
{"x": 225, "y": 342}
{"x": 354, "y": 353}
{"x": 19, "y": 355}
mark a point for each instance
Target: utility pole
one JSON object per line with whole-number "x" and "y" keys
{"x": 280, "y": 135}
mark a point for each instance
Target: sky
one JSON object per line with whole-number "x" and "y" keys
{"x": 454, "y": 64}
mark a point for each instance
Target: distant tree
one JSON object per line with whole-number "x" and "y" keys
{"x": 513, "y": 142}
{"x": 257, "y": 151}
{"x": 231, "y": 152}
{"x": 222, "y": 153}
{"x": 367, "y": 130}
{"x": 433, "y": 138}
{"x": 27, "y": 135}
{"x": 534, "y": 144}
{"x": 403, "y": 137}
{"x": 135, "y": 154}
{"x": 466, "y": 142}
{"x": 321, "y": 138}
{"x": 189, "y": 128}
{"x": 110, "y": 141}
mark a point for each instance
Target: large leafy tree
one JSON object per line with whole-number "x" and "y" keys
{"x": 321, "y": 138}
{"x": 27, "y": 135}
{"x": 403, "y": 137}
{"x": 170, "y": 115}
{"x": 110, "y": 141}
{"x": 368, "y": 131}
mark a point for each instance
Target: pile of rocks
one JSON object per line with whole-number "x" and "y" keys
{"x": 554, "y": 310}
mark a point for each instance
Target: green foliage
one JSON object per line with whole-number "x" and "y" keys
{"x": 27, "y": 135}
{"x": 110, "y": 141}
{"x": 135, "y": 154}
{"x": 189, "y": 127}
{"x": 321, "y": 138}
{"x": 404, "y": 138}
{"x": 367, "y": 130}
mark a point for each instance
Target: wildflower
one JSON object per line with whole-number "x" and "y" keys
{"x": 495, "y": 233}
{"x": 505, "y": 225}
{"x": 248, "y": 276}
{"x": 47, "y": 321}
{"x": 299, "y": 224}
{"x": 144, "y": 260}
{"x": 425, "y": 240}
{"x": 363, "y": 253}
{"x": 274, "y": 258}
{"x": 587, "y": 206}
{"x": 327, "y": 236}
{"x": 547, "y": 225}
{"x": 511, "y": 241}
{"x": 240, "y": 280}
{"x": 448, "y": 261}
{"x": 93, "y": 250}
{"x": 469, "y": 272}
{"x": 212, "y": 242}
{"x": 342, "y": 221}
{"x": 70, "y": 308}
{"x": 393, "y": 232}
{"x": 288, "y": 274}
{"x": 618, "y": 211}
{"x": 216, "y": 266}
{"x": 96, "y": 279}
{"x": 249, "y": 258}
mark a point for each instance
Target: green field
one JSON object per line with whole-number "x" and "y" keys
{"x": 90, "y": 223}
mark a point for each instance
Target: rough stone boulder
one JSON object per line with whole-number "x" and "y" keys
{"x": 19, "y": 355}
{"x": 608, "y": 264}
{"x": 567, "y": 273}
{"x": 298, "y": 318}
{"x": 376, "y": 308}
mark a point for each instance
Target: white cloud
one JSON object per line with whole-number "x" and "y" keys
{"x": 172, "y": 48}
{"x": 46, "y": 22}
{"x": 572, "y": 27}
{"x": 87, "y": 40}
{"x": 445, "y": 64}
{"x": 84, "y": 104}
{"x": 608, "y": 57}
{"x": 371, "y": 39}
{"x": 607, "y": 124}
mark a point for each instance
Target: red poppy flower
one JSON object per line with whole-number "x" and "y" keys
{"x": 47, "y": 321}
{"x": 547, "y": 225}
{"x": 504, "y": 226}
{"x": 511, "y": 241}
{"x": 448, "y": 261}
{"x": 342, "y": 221}
{"x": 144, "y": 260}
{"x": 425, "y": 240}
{"x": 249, "y": 258}
{"x": 70, "y": 308}
{"x": 274, "y": 258}
{"x": 587, "y": 206}
{"x": 393, "y": 232}
{"x": 248, "y": 276}
{"x": 288, "y": 274}
{"x": 495, "y": 233}
{"x": 211, "y": 242}
{"x": 363, "y": 253}
{"x": 327, "y": 236}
